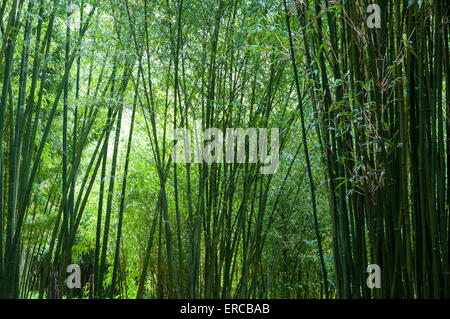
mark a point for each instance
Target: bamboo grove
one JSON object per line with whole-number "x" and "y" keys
{"x": 92, "y": 92}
